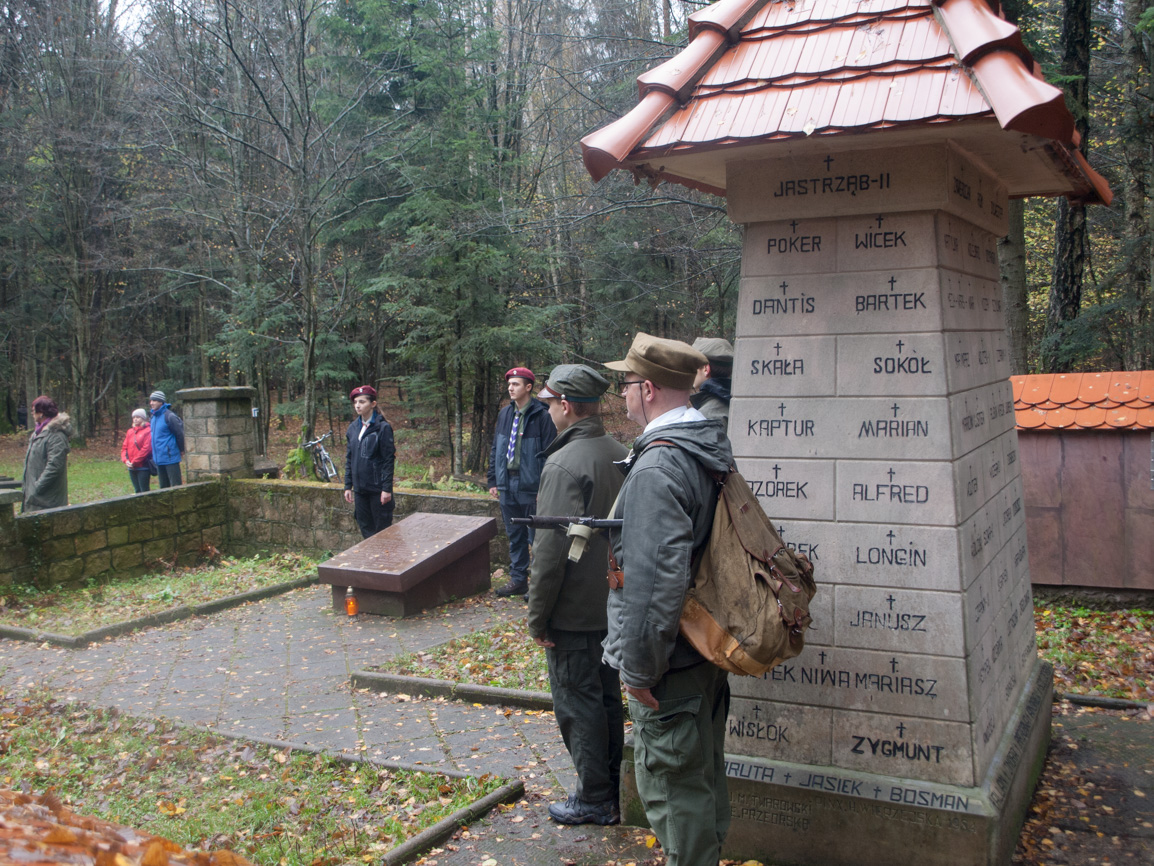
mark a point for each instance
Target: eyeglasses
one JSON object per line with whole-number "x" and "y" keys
{"x": 625, "y": 385}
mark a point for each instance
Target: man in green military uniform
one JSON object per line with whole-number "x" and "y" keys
{"x": 678, "y": 701}
{"x": 568, "y": 590}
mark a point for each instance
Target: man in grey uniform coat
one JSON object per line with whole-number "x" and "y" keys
{"x": 678, "y": 701}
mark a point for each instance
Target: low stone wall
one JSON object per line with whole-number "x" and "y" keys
{"x": 266, "y": 515}
{"x": 124, "y": 536}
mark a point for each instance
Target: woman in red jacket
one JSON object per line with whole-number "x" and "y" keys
{"x": 137, "y": 451}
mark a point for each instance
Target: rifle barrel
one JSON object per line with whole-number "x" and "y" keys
{"x": 540, "y": 521}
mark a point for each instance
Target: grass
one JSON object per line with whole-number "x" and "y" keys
{"x": 1098, "y": 650}
{"x": 274, "y": 806}
{"x": 503, "y": 656}
{"x": 90, "y": 478}
{"x": 73, "y": 611}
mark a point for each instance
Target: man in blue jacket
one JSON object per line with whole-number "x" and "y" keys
{"x": 524, "y": 431}
{"x": 369, "y": 463}
{"x": 167, "y": 440}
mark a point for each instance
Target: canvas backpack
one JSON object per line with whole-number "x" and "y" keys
{"x": 748, "y": 608}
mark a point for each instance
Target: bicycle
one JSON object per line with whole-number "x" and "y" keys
{"x": 323, "y": 467}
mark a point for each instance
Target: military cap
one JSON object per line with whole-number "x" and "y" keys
{"x": 668, "y": 363}
{"x": 575, "y": 383}
{"x": 715, "y": 349}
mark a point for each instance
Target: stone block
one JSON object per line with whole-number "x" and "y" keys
{"x": 931, "y": 687}
{"x": 281, "y": 535}
{"x": 906, "y": 365}
{"x": 97, "y": 563}
{"x": 195, "y": 428}
{"x": 65, "y": 571}
{"x": 779, "y": 731}
{"x": 64, "y": 521}
{"x": 876, "y": 241}
{"x": 197, "y": 462}
{"x": 421, "y": 561}
{"x": 792, "y": 489}
{"x": 793, "y": 366}
{"x": 230, "y": 462}
{"x": 901, "y": 620}
{"x": 904, "y": 748}
{"x": 964, "y": 247}
{"x": 141, "y": 531}
{"x": 213, "y": 535}
{"x": 117, "y": 536}
{"x": 794, "y": 247}
{"x": 164, "y": 527}
{"x": 158, "y": 548}
{"x": 229, "y": 426}
{"x": 58, "y": 548}
{"x": 896, "y": 492}
{"x": 189, "y": 543}
{"x": 976, "y": 358}
{"x": 981, "y": 414}
{"x": 193, "y": 521}
{"x": 872, "y": 554}
{"x": 86, "y": 542}
{"x": 129, "y": 556}
{"x": 857, "y": 427}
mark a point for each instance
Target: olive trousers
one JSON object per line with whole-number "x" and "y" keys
{"x": 679, "y": 757}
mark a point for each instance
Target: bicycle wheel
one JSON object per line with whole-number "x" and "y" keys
{"x": 319, "y": 468}
{"x": 330, "y": 468}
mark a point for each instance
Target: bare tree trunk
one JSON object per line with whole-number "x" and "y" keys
{"x": 1015, "y": 303}
{"x": 1071, "y": 238}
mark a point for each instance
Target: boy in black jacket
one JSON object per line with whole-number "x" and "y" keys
{"x": 369, "y": 464}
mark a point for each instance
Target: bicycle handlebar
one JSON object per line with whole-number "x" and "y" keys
{"x": 317, "y": 441}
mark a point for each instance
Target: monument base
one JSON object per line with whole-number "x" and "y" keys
{"x": 806, "y": 815}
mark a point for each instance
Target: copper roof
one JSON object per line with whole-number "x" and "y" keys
{"x": 1085, "y": 401}
{"x": 764, "y": 71}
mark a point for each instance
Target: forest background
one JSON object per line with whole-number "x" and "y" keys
{"x": 305, "y": 195}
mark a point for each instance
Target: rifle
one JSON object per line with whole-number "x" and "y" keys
{"x": 539, "y": 521}
{"x": 580, "y": 528}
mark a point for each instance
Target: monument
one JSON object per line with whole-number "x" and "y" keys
{"x": 870, "y": 150}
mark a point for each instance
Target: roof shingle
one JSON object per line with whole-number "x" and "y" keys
{"x": 1085, "y": 401}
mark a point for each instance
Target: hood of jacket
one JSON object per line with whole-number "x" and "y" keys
{"x": 61, "y": 422}
{"x": 705, "y": 440}
{"x": 719, "y": 388}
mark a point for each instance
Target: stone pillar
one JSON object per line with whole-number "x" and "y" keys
{"x": 218, "y": 432}
{"x": 15, "y": 555}
{"x": 873, "y": 415}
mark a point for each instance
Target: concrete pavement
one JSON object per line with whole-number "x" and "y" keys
{"x": 279, "y": 669}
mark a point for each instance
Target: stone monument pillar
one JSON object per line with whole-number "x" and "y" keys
{"x": 218, "y": 432}
{"x": 869, "y": 150}
{"x": 873, "y": 416}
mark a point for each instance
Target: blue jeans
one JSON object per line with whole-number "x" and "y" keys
{"x": 513, "y": 504}
{"x": 141, "y": 479}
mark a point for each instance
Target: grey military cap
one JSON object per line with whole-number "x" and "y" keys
{"x": 575, "y": 383}
{"x": 714, "y": 348}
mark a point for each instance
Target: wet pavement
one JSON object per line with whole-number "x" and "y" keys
{"x": 279, "y": 669}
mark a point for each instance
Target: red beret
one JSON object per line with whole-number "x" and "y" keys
{"x": 363, "y": 391}
{"x": 521, "y": 373}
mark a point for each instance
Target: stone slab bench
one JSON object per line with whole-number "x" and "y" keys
{"x": 417, "y": 563}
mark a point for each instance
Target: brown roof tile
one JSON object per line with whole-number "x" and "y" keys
{"x": 1085, "y": 401}
{"x": 759, "y": 71}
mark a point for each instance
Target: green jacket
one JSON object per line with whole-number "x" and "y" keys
{"x": 667, "y": 505}
{"x": 579, "y": 478}
{"x": 46, "y": 465}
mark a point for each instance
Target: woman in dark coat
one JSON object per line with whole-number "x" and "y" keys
{"x": 46, "y": 463}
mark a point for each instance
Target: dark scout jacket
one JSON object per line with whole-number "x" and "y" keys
{"x": 369, "y": 459}
{"x": 535, "y": 438}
